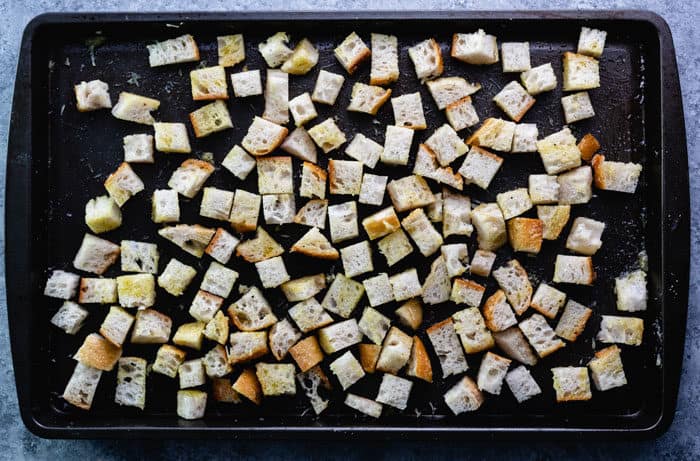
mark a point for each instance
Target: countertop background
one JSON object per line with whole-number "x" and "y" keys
{"x": 682, "y": 441}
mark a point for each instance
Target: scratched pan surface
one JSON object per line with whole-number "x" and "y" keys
{"x": 66, "y": 155}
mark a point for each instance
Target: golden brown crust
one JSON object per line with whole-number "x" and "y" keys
{"x": 381, "y": 101}
{"x": 352, "y": 65}
{"x": 199, "y": 164}
{"x": 440, "y": 325}
{"x": 306, "y": 353}
{"x": 588, "y": 145}
{"x": 222, "y": 390}
{"x": 438, "y": 52}
{"x": 525, "y": 234}
{"x": 381, "y": 225}
{"x": 453, "y": 50}
{"x": 490, "y": 306}
{"x": 598, "y": 173}
{"x": 469, "y": 284}
{"x": 369, "y": 354}
{"x": 329, "y": 254}
{"x": 317, "y": 171}
{"x": 522, "y": 113}
{"x": 413, "y": 313}
{"x": 420, "y": 361}
{"x": 248, "y": 386}
{"x": 97, "y": 352}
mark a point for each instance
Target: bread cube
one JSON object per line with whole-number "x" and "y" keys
{"x": 306, "y": 353}
{"x": 574, "y": 269}
{"x": 369, "y": 354}
{"x": 210, "y": 119}
{"x": 309, "y": 315}
{"x": 482, "y": 262}
{"x": 189, "y": 177}
{"x": 247, "y": 345}
{"x": 92, "y": 95}
{"x": 553, "y": 218}
{"x": 222, "y": 391}
{"x": 342, "y": 296}
{"x": 427, "y": 59}
{"x": 282, "y": 336}
{"x": 525, "y": 138}
{"x": 381, "y": 223}
{"x": 378, "y": 289}
{"x": 408, "y": 111}
{"x": 471, "y": 329}
{"x": 208, "y": 83}
{"x": 137, "y": 290}
{"x": 539, "y": 79}
{"x": 385, "y": 59}
{"x": 419, "y": 364}
{"x": 397, "y": 145}
{"x": 572, "y": 321}
{"x": 304, "y": 288}
{"x": 623, "y": 330}
{"x": 190, "y": 335}
{"x": 492, "y": 371}
{"x": 327, "y": 135}
{"x": 514, "y": 100}
{"x": 245, "y": 211}
{"x": 405, "y": 285}
{"x": 394, "y": 391}
{"x": 216, "y": 203}
{"x": 231, "y": 49}
{"x": 131, "y": 382}
{"x": 615, "y": 176}
{"x": 475, "y": 48}
{"x": 580, "y": 72}
{"x": 275, "y": 175}
{"x": 276, "y": 97}
{"x": 543, "y": 189}
{"x": 606, "y": 369}
{"x": 410, "y": 192}
{"x": 97, "y": 352}
{"x": 498, "y": 316}
{"x": 367, "y": 98}
{"x": 339, "y": 336}
{"x": 221, "y": 246}
{"x": 166, "y": 207}
{"x": 490, "y": 226}
{"x": 427, "y": 166}
{"x": 138, "y": 148}
{"x": 364, "y": 405}
{"x": 313, "y": 181}
{"x": 248, "y": 386}
{"x": 310, "y": 382}
{"x": 522, "y": 384}
{"x": 205, "y": 305}
{"x": 191, "y": 404}
{"x": 584, "y": 237}
{"x": 70, "y": 317}
{"x": 252, "y": 312}
{"x": 461, "y": 114}
{"x": 174, "y": 51}
{"x": 479, "y": 167}
{"x": 422, "y": 232}
{"x": 263, "y": 136}
{"x": 172, "y": 137}
{"x": 176, "y": 277}
{"x": 302, "y": 109}
{"x": 631, "y": 291}
{"x": 134, "y": 108}
{"x": 364, "y": 150}
{"x": 374, "y": 325}
{"x": 559, "y": 152}
{"x": 343, "y": 221}
{"x": 494, "y": 133}
{"x": 446, "y": 144}
{"x": 436, "y": 288}
{"x": 246, "y": 83}
{"x": 303, "y": 59}
{"x": 81, "y": 386}
{"x": 327, "y": 87}
{"x": 571, "y": 383}
{"x": 395, "y": 247}
{"x": 357, "y": 259}
{"x": 272, "y": 272}
{"x": 513, "y": 280}
{"x": 219, "y": 279}
{"x": 577, "y": 107}
{"x": 448, "y": 90}
{"x": 193, "y": 239}
{"x": 62, "y": 285}
{"x": 525, "y": 234}
{"x": 540, "y": 335}
{"x": 95, "y": 255}
{"x": 591, "y": 42}
{"x": 344, "y": 177}
{"x": 548, "y": 300}
{"x": 315, "y": 245}
{"x": 151, "y": 327}
{"x": 123, "y": 184}
{"x": 588, "y": 145}
{"x": 464, "y": 396}
{"x": 216, "y": 363}
{"x": 351, "y": 52}
{"x": 347, "y": 369}
{"x": 467, "y": 292}
{"x": 372, "y": 189}
{"x": 259, "y": 248}
{"x": 217, "y": 329}
{"x": 279, "y": 208}
{"x": 513, "y": 343}
{"x": 139, "y": 257}
{"x": 274, "y": 50}
{"x": 515, "y": 56}
{"x": 445, "y": 342}
{"x": 191, "y": 373}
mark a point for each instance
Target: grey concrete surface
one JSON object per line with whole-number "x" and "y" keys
{"x": 682, "y": 440}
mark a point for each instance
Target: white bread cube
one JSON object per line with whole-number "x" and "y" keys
{"x": 100, "y": 291}
{"x": 304, "y": 288}
{"x": 385, "y": 59}
{"x": 525, "y": 138}
{"x": 479, "y": 167}
{"x": 581, "y": 72}
{"x": 313, "y": 214}
{"x": 62, "y": 285}
{"x": 446, "y": 144}
{"x": 364, "y": 405}
{"x": 313, "y": 181}
{"x": 131, "y": 382}
{"x": 98, "y": 353}
{"x": 445, "y": 342}
{"x": 365, "y": 150}
{"x": 92, "y": 95}
{"x": 381, "y": 223}
{"x": 246, "y": 83}
{"x": 193, "y": 239}
{"x": 263, "y": 136}
{"x": 342, "y": 296}
{"x": 372, "y": 189}
{"x": 623, "y": 330}
{"x": 464, "y": 396}
{"x": 191, "y": 404}
{"x": 303, "y": 59}
{"x": 397, "y": 145}
{"x": 513, "y": 343}
{"x": 543, "y": 189}
{"x": 327, "y": 87}
{"x": 490, "y": 226}
{"x": 344, "y": 177}
{"x": 427, "y": 59}
{"x": 584, "y": 237}
{"x": 342, "y": 219}
{"x": 314, "y": 244}
{"x": 208, "y": 83}
{"x": 217, "y": 329}
{"x": 210, "y": 119}
{"x": 231, "y": 49}
{"x": 470, "y": 327}
{"x": 422, "y": 232}
{"x": 513, "y": 280}
{"x": 540, "y": 335}
{"x": 436, "y": 288}
{"x": 467, "y": 292}
{"x": 245, "y": 211}
{"x": 351, "y": 52}
{"x": 395, "y": 247}
{"x": 394, "y": 391}
{"x": 190, "y": 176}
{"x": 577, "y": 107}
{"x": 378, "y": 289}
{"x": 395, "y": 352}
{"x": 81, "y": 387}
{"x": 515, "y": 56}
{"x": 139, "y": 257}
{"x": 408, "y": 111}
{"x": 136, "y": 290}
{"x": 456, "y": 257}
{"x": 553, "y": 218}
{"x": 427, "y": 166}
{"x": 327, "y": 135}
{"x": 247, "y": 345}
{"x": 347, "y": 369}
{"x": 475, "y": 48}
{"x": 216, "y": 203}
{"x": 591, "y": 42}
{"x": 165, "y": 206}
{"x": 615, "y": 176}
{"x": 456, "y": 214}
{"x": 572, "y": 321}
{"x": 448, "y": 90}
{"x": 482, "y": 262}
{"x": 174, "y": 51}
{"x": 274, "y": 50}
{"x": 70, "y": 317}
{"x": 607, "y": 370}
{"x": 279, "y": 208}
{"x": 272, "y": 272}
{"x": 205, "y": 305}
{"x": 216, "y": 364}
{"x": 123, "y": 184}
{"x": 219, "y": 280}
{"x": 410, "y": 192}
{"x": 539, "y": 79}
{"x": 134, "y": 108}
{"x": 571, "y": 383}
{"x": 492, "y": 371}
{"x": 410, "y": 314}
{"x": 631, "y": 291}
{"x": 221, "y": 246}
{"x": 309, "y": 315}
{"x": 95, "y": 254}
{"x": 367, "y": 98}
{"x": 548, "y": 300}
{"x": 252, "y": 312}
{"x": 151, "y": 327}
{"x": 514, "y": 100}
{"x": 405, "y": 285}
{"x": 574, "y": 269}
{"x": 339, "y": 336}
{"x": 275, "y": 175}
{"x": 276, "y": 97}
{"x": 522, "y": 384}
{"x": 282, "y": 336}
{"x": 498, "y": 316}
{"x": 176, "y": 277}
{"x": 461, "y": 114}
{"x": 559, "y": 151}
{"x": 191, "y": 373}
{"x": 357, "y": 259}
{"x": 302, "y": 109}
{"x": 138, "y": 148}
{"x": 172, "y": 137}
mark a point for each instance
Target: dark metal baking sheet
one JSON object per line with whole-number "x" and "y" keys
{"x": 58, "y": 159}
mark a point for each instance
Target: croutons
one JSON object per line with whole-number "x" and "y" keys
{"x": 81, "y": 386}
{"x": 553, "y": 218}
{"x": 193, "y": 239}
{"x": 70, "y": 317}
{"x": 216, "y": 364}
{"x": 219, "y": 280}
{"x": 494, "y": 133}
{"x": 205, "y": 305}
{"x": 446, "y": 144}
{"x": 408, "y": 111}
{"x": 339, "y": 336}
{"x": 615, "y": 176}
{"x": 623, "y": 330}
{"x": 466, "y": 292}
{"x": 540, "y": 335}
{"x": 378, "y": 289}
{"x": 448, "y": 90}
{"x": 310, "y": 382}
{"x": 279, "y": 208}
{"x": 282, "y": 336}
{"x": 134, "y": 108}
{"x": 381, "y": 223}
{"x": 313, "y": 181}
{"x": 498, "y": 316}
{"x": 364, "y": 150}
{"x": 247, "y": 345}
{"x": 456, "y": 257}
{"x": 272, "y": 272}
{"x": 514, "y": 281}
{"x": 139, "y": 257}
{"x": 131, "y": 382}
{"x": 419, "y": 364}
{"x": 97, "y": 352}
{"x": 315, "y": 245}
{"x": 217, "y": 329}
{"x": 475, "y": 48}
{"x": 190, "y": 176}
{"x": 95, "y": 255}
{"x": 548, "y": 300}
{"x": 577, "y": 107}
{"x": 165, "y": 206}
{"x": 246, "y": 83}
{"x": 248, "y": 386}
{"x": 482, "y": 262}
{"x": 343, "y": 221}
{"x": 357, "y": 259}
{"x": 580, "y": 72}
{"x": 514, "y": 203}
{"x": 221, "y": 246}
{"x": 446, "y": 345}
{"x": 92, "y": 95}
{"x": 136, "y": 290}
{"x": 231, "y": 49}
{"x": 572, "y": 321}
{"x": 410, "y": 192}
{"x": 397, "y": 145}
{"x": 492, "y": 371}
{"x": 394, "y": 391}
{"x": 351, "y": 52}
{"x": 274, "y": 50}
{"x": 275, "y": 175}
{"x": 543, "y": 189}
{"x": 344, "y": 177}
{"x": 464, "y": 396}
{"x": 461, "y": 114}
{"x": 405, "y": 285}
{"x": 385, "y": 59}
{"x": 209, "y": 83}
{"x": 367, "y": 98}
{"x": 303, "y": 288}
{"x": 327, "y": 135}
{"x": 631, "y": 291}
{"x": 591, "y": 42}
{"x": 525, "y": 234}
{"x": 584, "y": 237}
{"x": 372, "y": 189}
{"x": 436, "y": 288}
{"x": 471, "y": 328}
{"x": 571, "y": 383}
{"x": 302, "y": 109}
{"x": 276, "y": 97}
{"x": 479, "y": 167}
{"x": 347, "y": 369}
{"x": 174, "y": 51}
{"x": 515, "y": 56}
{"x": 123, "y": 184}
{"x": 525, "y": 138}
{"x": 102, "y": 214}
{"x": 588, "y": 145}
{"x": 210, "y": 119}
{"x": 259, "y": 248}
{"x": 422, "y": 232}
{"x": 94, "y": 290}
{"x": 62, "y": 285}
{"x": 395, "y": 247}
{"x": 191, "y": 373}
{"x": 514, "y": 100}
{"x": 303, "y": 59}
{"x": 300, "y": 145}
{"x": 490, "y": 226}
{"x": 559, "y": 151}
{"x": 327, "y": 87}
{"x": 263, "y": 136}
{"x": 539, "y": 79}
{"x": 176, "y": 277}
{"x": 309, "y": 315}
{"x": 574, "y": 269}
{"x": 151, "y": 327}
{"x": 252, "y": 312}
{"x": 313, "y": 214}
{"x": 427, "y": 59}
{"x": 364, "y": 405}
{"x": 522, "y": 384}
{"x": 191, "y": 404}
{"x": 190, "y": 335}
{"x": 306, "y": 353}
{"x": 513, "y": 343}
{"x": 216, "y": 203}
{"x": 245, "y": 211}
{"x": 606, "y": 369}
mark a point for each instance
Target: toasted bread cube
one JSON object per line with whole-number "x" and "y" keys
{"x": 540, "y": 335}
{"x": 539, "y": 79}
{"x": 374, "y": 324}
{"x": 342, "y": 296}
{"x": 571, "y": 383}
{"x": 584, "y": 237}
{"x": 274, "y": 50}
{"x": 272, "y": 272}
{"x": 70, "y": 317}
{"x": 221, "y": 246}
{"x": 490, "y": 226}
{"x": 410, "y": 192}
{"x": 448, "y": 90}
{"x": 577, "y": 107}
{"x": 494, "y": 133}
{"x": 190, "y": 335}
{"x": 193, "y": 239}
{"x": 369, "y": 354}
{"x": 191, "y": 404}
{"x": 381, "y": 223}
{"x": 131, "y": 382}
{"x": 588, "y": 145}
{"x": 543, "y": 189}
{"x": 139, "y": 257}
{"x": 446, "y": 144}
{"x": 364, "y": 150}
{"x": 247, "y": 345}
{"x": 279, "y": 208}
{"x": 427, "y": 59}
{"x": 372, "y": 189}
{"x": 522, "y": 384}
{"x": 245, "y": 211}
{"x": 427, "y": 166}
{"x": 351, "y": 52}
{"x": 315, "y": 245}
{"x": 419, "y": 364}
{"x": 467, "y": 292}
{"x": 95, "y": 255}
{"x": 456, "y": 258}
{"x": 514, "y": 100}
{"x": 580, "y": 72}
{"x": 205, "y": 305}
{"x": 339, "y": 336}
{"x": 327, "y": 87}
{"x": 364, "y": 405}
{"x": 92, "y": 95}
{"x": 343, "y": 221}
{"x": 62, "y": 285}
{"x": 492, "y": 371}
{"x": 385, "y": 59}
{"x": 246, "y": 83}
{"x": 303, "y": 59}
{"x": 327, "y": 135}
{"x": 464, "y": 396}
{"x": 623, "y": 330}
{"x": 306, "y": 353}
{"x": 436, "y": 288}
{"x": 263, "y": 136}
{"x": 304, "y": 288}
{"x": 572, "y": 321}
{"x": 498, "y": 316}
{"x": 606, "y": 369}
{"x": 191, "y": 373}
{"x": 631, "y": 291}
{"x": 446, "y": 344}
{"x": 479, "y": 167}
{"x": 548, "y": 300}
{"x": 123, "y": 184}
{"x": 475, "y": 48}
{"x": 210, "y": 119}
{"x": 172, "y": 137}
{"x": 367, "y": 98}
{"x": 397, "y": 145}
{"x": 134, "y": 108}
{"x": 408, "y": 111}
{"x": 470, "y": 327}
{"x": 482, "y": 262}
{"x": 216, "y": 364}
{"x": 378, "y": 289}
{"x": 615, "y": 176}
{"x": 231, "y": 49}
{"x": 344, "y": 177}
{"x": 309, "y": 315}
{"x": 461, "y": 114}
{"x": 166, "y": 207}
{"x": 252, "y": 312}
{"x": 525, "y": 138}
{"x": 217, "y": 329}
{"x": 248, "y": 386}
{"x": 189, "y": 177}
{"x": 456, "y": 219}
{"x": 216, "y": 203}
{"x": 422, "y": 232}
{"x": 282, "y": 336}
{"x": 394, "y": 391}
{"x": 357, "y": 259}
{"x": 574, "y": 269}
{"x": 137, "y": 290}
{"x": 275, "y": 175}
{"x": 591, "y": 42}
{"x": 525, "y": 234}
{"x": 82, "y": 385}
{"x": 276, "y": 378}
{"x": 347, "y": 369}
{"x": 222, "y": 391}
{"x": 176, "y": 277}
{"x": 313, "y": 181}
{"x": 174, "y": 51}
{"x": 395, "y": 247}
{"x": 219, "y": 280}
{"x": 259, "y": 248}
{"x": 405, "y": 285}
{"x": 515, "y": 56}
{"x": 553, "y": 218}
{"x": 209, "y": 83}
{"x": 276, "y": 97}
{"x": 513, "y": 280}
{"x": 559, "y": 151}
{"x": 513, "y": 343}
{"x": 151, "y": 327}
{"x": 97, "y": 352}
{"x": 138, "y": 148}
{"x": 302, "y": 109}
